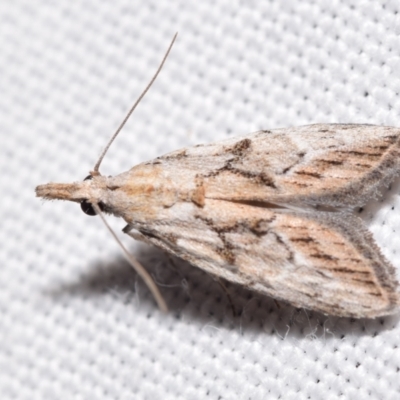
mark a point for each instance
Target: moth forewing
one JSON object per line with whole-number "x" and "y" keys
{"x": 317, "y": 260}
{"x": 324, "y": 164}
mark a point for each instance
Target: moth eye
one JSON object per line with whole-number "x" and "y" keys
{"x": 86, "y": 206}
{"x": 88, "y": 209}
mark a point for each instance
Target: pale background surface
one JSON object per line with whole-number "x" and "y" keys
{"x": 75, "y": 322}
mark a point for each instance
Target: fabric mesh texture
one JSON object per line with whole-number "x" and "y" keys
{"x": 75, "y": 321}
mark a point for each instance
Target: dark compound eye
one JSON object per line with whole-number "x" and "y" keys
{"x": 86, "y": 206}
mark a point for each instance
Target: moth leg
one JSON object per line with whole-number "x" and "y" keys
{"x": 215, "y": 278}
{"x": 130, "y": 230}
{"x": 135, "y": 234}
{"x": 127, "y": 228}
{"x": 184, "y": 282}
{"x": 277, "y": 304}
{"x": 225, "y": 290}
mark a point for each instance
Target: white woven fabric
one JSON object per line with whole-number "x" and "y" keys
{"x": 75, "y": 322}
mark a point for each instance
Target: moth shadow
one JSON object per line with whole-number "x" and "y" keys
{"x": 195, "y": 295}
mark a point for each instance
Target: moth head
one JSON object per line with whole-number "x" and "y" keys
{"x": 91, "y": 190}
{"x": 87, "y": 207}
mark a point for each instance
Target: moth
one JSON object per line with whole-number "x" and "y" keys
{"x": 273, "y": 211}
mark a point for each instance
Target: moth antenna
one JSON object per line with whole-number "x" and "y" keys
{"x": 97, "y": 165}
{"x": 148, "y": 280}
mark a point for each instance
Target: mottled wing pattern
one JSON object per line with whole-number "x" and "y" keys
{"x": 272, "y": 211}
{"x": 330, "y": 165}
{"x": 317, "y": 260}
